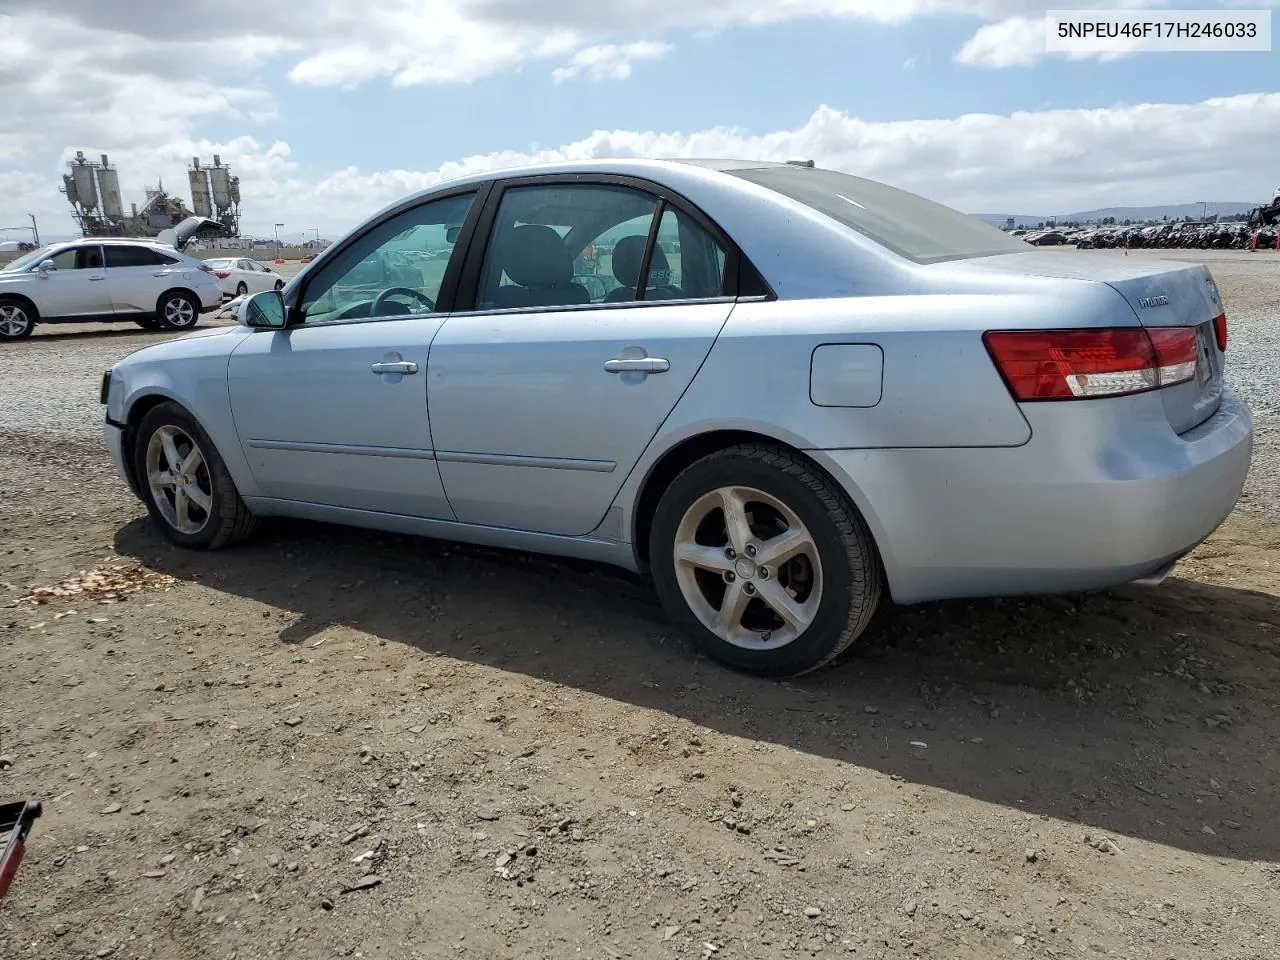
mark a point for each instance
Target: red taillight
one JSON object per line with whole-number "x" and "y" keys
{"x": 1220, "y": 331}
{"x": 1077, "y": 364}
{"x": 222, "y": 274}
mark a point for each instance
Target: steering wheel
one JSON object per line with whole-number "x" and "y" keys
{"x": 393, "y": 291}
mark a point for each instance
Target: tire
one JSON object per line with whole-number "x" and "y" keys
{"x": 17, "y": 318}
{"x": 279, "y": 285}
{"x": 241, "y": 288}
{"x": 226, "y": 521}
{"x": 833, "y": 600}
{"x": 178, "y": 310}
{"x": 148, "y": 323}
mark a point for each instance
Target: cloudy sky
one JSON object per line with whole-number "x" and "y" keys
{"x": 328, "y": 111}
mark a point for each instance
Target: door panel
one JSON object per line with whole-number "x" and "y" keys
{"x": 136, "y": 277}
{"x": 334, "y": 410}
{"x": 76, "y": 288}
{"x": 532, "y": 431}
{"x": 319, "y": 425}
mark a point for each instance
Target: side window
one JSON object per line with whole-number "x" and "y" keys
{"x": 79, "y": 258}
{"x": 119, "y": 256}
{"x": 65, "y": 259}
{"x": 556, "y": 245}
{"x": 165, "y": 258}
{"x": 687, "y": 263}
{"x": 396, "y": 269}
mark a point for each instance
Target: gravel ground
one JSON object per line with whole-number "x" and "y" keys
{"x": 337, "y": 743}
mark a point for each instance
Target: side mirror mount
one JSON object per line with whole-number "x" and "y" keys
{"x": 451, "y": 234}
{"x": 46, "y": 267}
{"x": 264, "y": 309}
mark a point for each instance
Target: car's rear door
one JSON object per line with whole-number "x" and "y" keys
{"x": 543, "y": 394}
{"x": 136, "y": 276}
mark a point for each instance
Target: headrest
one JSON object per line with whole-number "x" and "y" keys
{"x": 626, "y": 262}
{"x": 534, "y": 256}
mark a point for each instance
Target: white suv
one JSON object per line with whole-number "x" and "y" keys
{"x": 97, "y": 280}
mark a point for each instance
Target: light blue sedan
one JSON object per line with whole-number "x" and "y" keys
{"x": 784, "y": 393}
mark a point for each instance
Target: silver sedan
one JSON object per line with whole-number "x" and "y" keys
{"x": 783, "y": 392}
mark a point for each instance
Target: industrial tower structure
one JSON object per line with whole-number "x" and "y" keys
{"x": 93, "y": 191}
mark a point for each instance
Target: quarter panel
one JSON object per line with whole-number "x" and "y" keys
{"x": 940, "y": 388}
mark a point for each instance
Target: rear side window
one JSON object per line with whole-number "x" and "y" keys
{"x": 133, "y": 257}
{"x": 909, "y": 225}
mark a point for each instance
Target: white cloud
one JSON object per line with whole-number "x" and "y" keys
{"x": 609, "y": 61}
{"x": 1021, "y": 42}
{"x": 1044, "y": 162}
{"x": 910, "y": 63}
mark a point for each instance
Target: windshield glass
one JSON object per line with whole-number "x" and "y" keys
{"x": 907, "y": 224}
{"x": 28, "y": 259}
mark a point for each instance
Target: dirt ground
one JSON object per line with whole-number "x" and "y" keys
{"x": 334, "y": 743}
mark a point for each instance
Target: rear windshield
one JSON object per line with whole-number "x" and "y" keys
{"x": 907, "y": 224}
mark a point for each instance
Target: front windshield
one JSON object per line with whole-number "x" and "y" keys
{"x": 27, "y": 259}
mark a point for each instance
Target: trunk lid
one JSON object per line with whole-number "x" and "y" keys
{"x": 1161, "y": 293}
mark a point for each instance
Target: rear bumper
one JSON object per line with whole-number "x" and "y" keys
{"x": 1103, "y": 494}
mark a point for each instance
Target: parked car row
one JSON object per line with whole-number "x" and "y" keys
{"x": 107, "y": 279}
{"x": 1169, "y": 236}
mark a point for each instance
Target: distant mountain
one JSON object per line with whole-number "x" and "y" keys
{"x": 1175, "y": 211}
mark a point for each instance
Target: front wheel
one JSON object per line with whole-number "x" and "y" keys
{"x": 185, "y": 484}
{"x": 17, "y": 320}
{"x": 178, "y": 310}
{"x": 764, "y": 561}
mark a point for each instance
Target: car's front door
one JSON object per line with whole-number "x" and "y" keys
{"x": 137, "y": 275}
{"x": 546, "y": 393}
{"x": 76, "y": 287}
{"x": 333, "y": 411}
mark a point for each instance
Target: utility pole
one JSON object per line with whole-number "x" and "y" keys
{"x": 278, "y": 226}
{"x": 35, "y": 231}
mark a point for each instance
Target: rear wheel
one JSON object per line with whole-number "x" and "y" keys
{"x": 764, "y": 561}
{"x": 279, "y": 284}
{"x": 241, "y": 288}
{"x": 178, "y": 310}
{"x": 17, "y": 318}
{"x": 185, "y": 484}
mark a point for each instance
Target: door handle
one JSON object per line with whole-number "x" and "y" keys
{"x": 96, "y": 279}
{"x": 162, "y": 273}
{"x": 395, "y": 366}
{"x": 638, "y": 365}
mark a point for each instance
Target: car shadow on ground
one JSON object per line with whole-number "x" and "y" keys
{"x": 1143, "y": 712}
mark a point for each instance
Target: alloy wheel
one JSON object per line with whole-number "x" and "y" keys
{"x": 748, "y": 568}
{"x": 14, "y": 321}
{"x": 179, "y": 479}
{"x": 179, "y": 312}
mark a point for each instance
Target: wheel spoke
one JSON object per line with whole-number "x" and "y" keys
{"x": 735, "y": 518}
{"x": 162, "y": 478}
{"x": 729, "y": 617}
{"x": 181, "y": 508}
{"x": 794, "y": 615}
{"x": 171, "y": 452}
{"x": 198, "y": 497}
{"x": 194, "y": 459}
{"x": 776, "y": 551}
{"x": 702, "y": 557}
